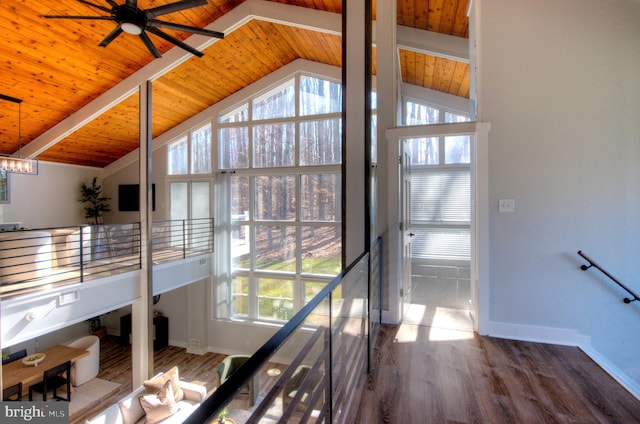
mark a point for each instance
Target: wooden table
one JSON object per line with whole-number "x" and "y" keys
{"x": 16, "y": 372}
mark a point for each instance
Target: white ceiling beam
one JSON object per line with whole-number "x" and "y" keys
{"x": 433, "y": 43}
{"x": 300, "y": 17}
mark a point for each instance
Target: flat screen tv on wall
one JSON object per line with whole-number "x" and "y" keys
{"x": 129, "y": 197}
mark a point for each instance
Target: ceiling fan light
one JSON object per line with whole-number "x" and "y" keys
{"x": 131, "y": 28}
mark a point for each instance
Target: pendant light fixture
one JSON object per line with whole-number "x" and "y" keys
{"x": 18, "y": 164}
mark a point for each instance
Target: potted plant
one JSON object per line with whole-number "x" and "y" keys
{"x": 96, "y": 203}
{"x": 97, "y": 327}
{"x": 222, "y": 417}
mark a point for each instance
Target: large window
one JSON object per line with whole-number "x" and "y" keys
{"x": 191, "y": 154}
{"x": 281, "y": 153}
{"x": 189, "y": 171}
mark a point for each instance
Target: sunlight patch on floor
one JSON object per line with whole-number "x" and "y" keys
{"x": 444, "y": 323}
{"x": 455, "y": 319}
{"x": 415, "y": 314}
{"x": 407, "y": 334}
{"x": 438, "y": 316}
{"x": 443, "y": 334}
{"x": 450, "y": 324}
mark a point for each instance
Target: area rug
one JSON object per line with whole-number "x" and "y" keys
{"x": 91, "y": 391}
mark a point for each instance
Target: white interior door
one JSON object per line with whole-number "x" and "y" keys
{"x": 478, "y": 227}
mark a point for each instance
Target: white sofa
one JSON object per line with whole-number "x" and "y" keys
{"x": 129, "y": 411}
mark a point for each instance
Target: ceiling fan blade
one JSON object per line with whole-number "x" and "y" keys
{"x": 132, "y": 3}
{"x": 97, "y": 6}
{"x": 112, "y": 3}
{"x": 175, "y": 41}
{"x": 179, "y": 27}
{"x": 101, "y": 18}
{"x": 111, "y": 36}
{"x": 147, "y": 42}
{"x": 173, "y": 7}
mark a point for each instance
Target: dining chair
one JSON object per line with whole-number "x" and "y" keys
{"x": 11, "y": 391}
{"x": 14, "y": 356}
{"x": 51, "y": 380}
{"x": 228, "y": 366}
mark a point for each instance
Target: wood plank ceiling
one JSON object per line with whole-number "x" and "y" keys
{"x": 56, "y": 67}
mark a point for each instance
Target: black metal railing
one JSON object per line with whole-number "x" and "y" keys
{"x": 312, "y": 369}
{"x": 46, "y": 257}
{"x": 180, "y": 239}
{"x": 611, "y": 277}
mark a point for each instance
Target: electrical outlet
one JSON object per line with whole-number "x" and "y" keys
{"x": 507, "y": 205}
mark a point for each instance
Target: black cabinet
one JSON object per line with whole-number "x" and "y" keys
{"x": 160, "y": 331}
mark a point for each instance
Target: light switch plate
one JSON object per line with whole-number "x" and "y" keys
{"x": 507, "y": 205}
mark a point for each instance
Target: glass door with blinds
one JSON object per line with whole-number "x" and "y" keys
{"x": 441, "y": 223}
{"x": 441, "y": 198}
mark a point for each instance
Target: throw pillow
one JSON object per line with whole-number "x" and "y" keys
{"x": 154, "y": 385}
{"x": 130, "y": 409}
{"x": 159, "y": 406}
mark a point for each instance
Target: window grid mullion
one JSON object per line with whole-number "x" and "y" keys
{"x": 298, "y": 292}
{"x": 253, "y": 283}
{"x": 296, "y": 171}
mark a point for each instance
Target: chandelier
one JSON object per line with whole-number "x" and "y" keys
{"x": 18, "y": 164}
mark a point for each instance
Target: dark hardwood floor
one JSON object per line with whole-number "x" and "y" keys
{"x": 423, "y": 374}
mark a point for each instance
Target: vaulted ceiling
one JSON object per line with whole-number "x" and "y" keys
{"x": 80, "y": 104}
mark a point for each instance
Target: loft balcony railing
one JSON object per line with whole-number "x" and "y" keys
{"x": 312, "y": 370}
{"x": 31, "y": 260}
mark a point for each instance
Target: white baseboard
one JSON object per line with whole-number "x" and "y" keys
{"x": 532, "y": 333}
{"x": 611, "y": 369}
{"x": 178, "y": 343}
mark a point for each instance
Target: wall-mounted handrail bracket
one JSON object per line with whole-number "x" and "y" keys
{"x": 611, "y": 277}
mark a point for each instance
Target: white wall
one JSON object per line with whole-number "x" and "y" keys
{"x": 63, "y": 336}
{"x": 560, "y": 84}
{"x": 130, "y": 174}
{"x": 49, "y": 199}
{"x": 174, "y": 305}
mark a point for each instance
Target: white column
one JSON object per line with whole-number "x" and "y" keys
{"x": 389, "y": 115}
{"x": 354, "y": 126}
{"x": 141, "y": 310}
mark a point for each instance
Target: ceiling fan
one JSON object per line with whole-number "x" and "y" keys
{"x": 133, "y": 20}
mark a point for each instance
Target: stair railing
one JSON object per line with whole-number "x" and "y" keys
{"x": 615, "y": 280}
